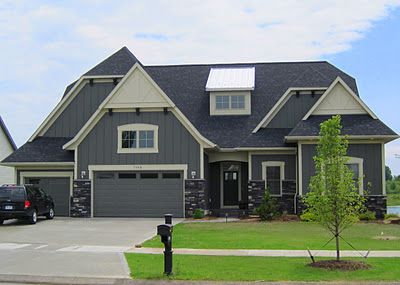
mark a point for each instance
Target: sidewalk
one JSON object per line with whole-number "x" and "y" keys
{"x": 272, "y": 253}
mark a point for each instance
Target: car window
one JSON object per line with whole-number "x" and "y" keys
{"x": 42, "y": 192}
{"x": 12, "y": 193}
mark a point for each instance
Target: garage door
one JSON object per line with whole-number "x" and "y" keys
{"x": 58, "y": 188}
{"x": 138, "y": 194}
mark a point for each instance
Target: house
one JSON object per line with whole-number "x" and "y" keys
{"x": 7, "y": 146}
{"x": 130, "y": 140}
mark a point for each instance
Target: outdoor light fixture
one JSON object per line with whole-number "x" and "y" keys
{"x": 193, "y": 174}
{"x": 83, "y": 174}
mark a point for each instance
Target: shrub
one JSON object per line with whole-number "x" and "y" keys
{"x": 267, "y": 210}
{"x": 198, "y": 214}
{"x": 308, "y": 217}
{"x": 367, "y": 216}
{"x": 390, "y": 216}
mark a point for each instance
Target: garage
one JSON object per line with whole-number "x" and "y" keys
{"x": 138, "y": 194}
{"x": 58, "y": 188}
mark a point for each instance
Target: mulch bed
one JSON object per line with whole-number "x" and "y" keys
{"x": 343, "y": 265}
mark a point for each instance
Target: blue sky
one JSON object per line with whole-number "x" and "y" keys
{"x": 45, "y": 45}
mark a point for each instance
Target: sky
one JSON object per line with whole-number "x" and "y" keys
{"x": 45, "y": 45}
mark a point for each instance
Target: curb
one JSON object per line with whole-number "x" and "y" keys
{"x": 34, "y": 279}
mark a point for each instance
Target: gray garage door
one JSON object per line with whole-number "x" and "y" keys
{"x": 138, "y": 194}
{"x": 56, "y": 187}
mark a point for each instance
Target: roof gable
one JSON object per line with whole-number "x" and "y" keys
{"x": 339, "y": 99}
{"x": 137, "y": 90}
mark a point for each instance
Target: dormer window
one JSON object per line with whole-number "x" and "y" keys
{"x": 230, "y": 90}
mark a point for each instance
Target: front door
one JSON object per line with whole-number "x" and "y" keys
{"x": 230, "y": 188}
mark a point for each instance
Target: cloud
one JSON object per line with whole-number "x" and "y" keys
{"x": 45, "y": 45}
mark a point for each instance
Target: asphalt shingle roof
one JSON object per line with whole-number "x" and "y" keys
{"x": 42, "y": 149}
{"x": 352, "y": 125}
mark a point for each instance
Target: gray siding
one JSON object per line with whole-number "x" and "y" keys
{"x": 371, "y": 153}
{"x": 289, "y": 159}
{"x": 79, "y": 110}
{"x": 175, "y": 144}
{"x": 293, "y": 111}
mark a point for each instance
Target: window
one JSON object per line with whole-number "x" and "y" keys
{"x": 229, "y": 102}
{"x": 222, "y": 102}
{"x": 237, "y": 102}
{"x": 137, "y": 138}
{"x": 171, "y": 175}
{"x": 105, "y": 175}
{"x": 148, "y": 175}
{"x": 356, "y": 165}
{"x": 126, "y": 175}
{"x": 273, "y": 173}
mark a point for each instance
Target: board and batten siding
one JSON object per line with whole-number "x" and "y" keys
{"x": 371, "y": 153}
{"x": 293, "y": 111}
{"x": 6, "y": 173}
{"x": 175, "y": 144}
{"x": 289, "y": 159}
{"x": 79, "y": 110}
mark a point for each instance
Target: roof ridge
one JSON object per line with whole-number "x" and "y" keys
{"x": 237, "y": 63}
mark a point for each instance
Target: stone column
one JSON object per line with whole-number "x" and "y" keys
{"x": 195, "y": 196}
{"x": 81, "y": 199}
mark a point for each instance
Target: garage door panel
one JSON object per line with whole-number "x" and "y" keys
{"x": 138, "y": 197}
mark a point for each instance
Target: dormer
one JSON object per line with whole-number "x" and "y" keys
{"x": 230, "y": 90}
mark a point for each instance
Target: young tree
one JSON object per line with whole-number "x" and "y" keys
{"x": 388, "y": 173}
{"x": 334, "y": 197}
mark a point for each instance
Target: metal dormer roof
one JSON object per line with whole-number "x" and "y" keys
{"x": 230, "y": 79}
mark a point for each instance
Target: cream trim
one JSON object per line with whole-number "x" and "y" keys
{"x": 227, "y": 156}
{"x": 250, "y": 166}
{"x": 60, "y": 107}
{"x": 360, "y": 162}
{"x": 383, "y": 170}
{"x": 76, "y": 163}
{"x": 339, "y": 80}
{"x": 137, "y": 128}
{"x": 266, "y": 164}
{"x": 201, "y": 162}
{"x": 265, "y": 148}
{"x": 300, "y": 169}
{"x": 72, "y": 144}
{"x": 355, "y": 137}
{"x": 281, "y": 102}
{"x": 137, "y": 167}
{"x": 38, "y": 163}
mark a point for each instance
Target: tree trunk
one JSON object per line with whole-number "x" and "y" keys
{"x": 337, "y": 244}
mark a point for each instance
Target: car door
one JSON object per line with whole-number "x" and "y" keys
{"x": 47, "y": 200}
{"x": 39, "y": 200}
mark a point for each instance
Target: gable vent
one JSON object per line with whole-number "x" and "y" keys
{"x": 231, "y": 79}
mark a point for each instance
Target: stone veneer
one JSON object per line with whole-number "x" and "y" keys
{"x": 81, "y": 199}
{"x": 195, "y": 196}
{"x": 285, "y": 202}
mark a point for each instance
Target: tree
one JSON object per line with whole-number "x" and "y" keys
{"x": 267, "y": 210}
{"x": 388, "y": 173}
{"x": 334, "y": 197}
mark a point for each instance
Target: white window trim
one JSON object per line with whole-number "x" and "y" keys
{"x": 360, "y": 162}
{"x": 137, "y": 128}
{"x": 230, "y": 111}
{"x": 281, "y": 164}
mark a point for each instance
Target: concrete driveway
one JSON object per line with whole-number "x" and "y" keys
{"x": 72, "y": 247}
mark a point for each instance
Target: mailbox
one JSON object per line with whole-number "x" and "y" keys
{"x": 165, "y": 232}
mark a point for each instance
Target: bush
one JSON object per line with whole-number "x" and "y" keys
{"x": 367, "y": 216}
{"x": 308, "y": 217}
{"x": 267, "y": 210}
{"x": 390, "y": 216}
{"x": 198, "y": 214}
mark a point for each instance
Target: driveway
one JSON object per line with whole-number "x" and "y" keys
{"x": 72, "y": 247}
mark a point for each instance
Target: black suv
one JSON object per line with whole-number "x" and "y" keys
{"x": 25, "y": 202}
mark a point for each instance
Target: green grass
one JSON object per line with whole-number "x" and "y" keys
{"x": 277, "y": 235}
{"x": 393, "y": 199}
{"x": 239, "y": 268}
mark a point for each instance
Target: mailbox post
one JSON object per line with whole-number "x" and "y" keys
{"x": 165, "y": 232}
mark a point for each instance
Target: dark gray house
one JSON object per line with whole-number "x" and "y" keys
{"x": 133, "y": 140}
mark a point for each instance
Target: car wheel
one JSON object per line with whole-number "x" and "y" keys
{"x": 1, "y": 221}
{"x": 33, "y": 218}
{"x": 50, "y": 214}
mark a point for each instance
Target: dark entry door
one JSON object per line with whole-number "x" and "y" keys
{"x": 231, "y": 188}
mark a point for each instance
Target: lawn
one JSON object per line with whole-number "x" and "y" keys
{"x": 393, "y": 199}
{"x": 278, "y": 235}
{"x": 239, "y": 268}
